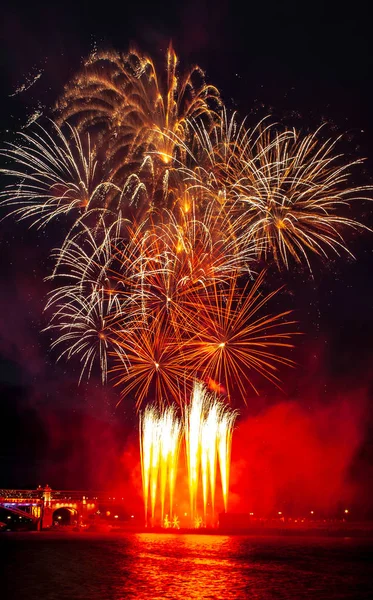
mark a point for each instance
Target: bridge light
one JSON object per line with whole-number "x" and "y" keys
{"x": 115, "y": 516}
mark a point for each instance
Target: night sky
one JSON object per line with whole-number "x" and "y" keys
{"x": 304, "y": 68}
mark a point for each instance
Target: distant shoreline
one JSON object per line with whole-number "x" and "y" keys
{"x": 348, "y": 530}
{"x": 352, "y": 530}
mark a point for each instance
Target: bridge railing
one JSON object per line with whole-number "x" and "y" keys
{"x": 21, "y": 494}
{"x": 12, "y": 495}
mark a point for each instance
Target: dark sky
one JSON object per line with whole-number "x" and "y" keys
{"x": 305, "y": 66}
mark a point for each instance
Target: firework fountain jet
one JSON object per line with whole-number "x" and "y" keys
{"x": 194, "y": 414}
{"x": 208, "y": 437}
{"x": 160, "y": 432}
{"x": 208, "y": 427}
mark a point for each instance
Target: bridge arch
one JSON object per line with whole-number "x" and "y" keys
{"x": 64, "y": 515}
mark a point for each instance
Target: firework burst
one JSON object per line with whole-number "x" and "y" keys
{"x": 169, "y": 205}
{"x": 90, "y": 304}
{"x": 233, "y": 340}
{"x": 133, "y": 108}
{"x": 286, "y": 190}
{"x": 153, "y": 355}
{"x": 54, "y": 174}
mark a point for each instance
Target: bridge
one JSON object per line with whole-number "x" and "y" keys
{"x": 47, "y": 507}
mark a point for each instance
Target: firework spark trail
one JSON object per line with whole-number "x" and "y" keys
{"x": 146, "y": 423}
{"x": 154, "y": 465}
{"x": 211, "y": 426}
{"x": 173, "y": 458}
{"x": 150, "y": 447}
{"x": 170, "y": 430}
{"x": 225, "y": 432}
{"x": 208, "y": 455}
{"x": 160, "y": 432}
{"x": 194, "y": 414}
{"x": 208, "y": 425}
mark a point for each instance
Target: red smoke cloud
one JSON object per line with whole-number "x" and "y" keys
{"x": 290, "y": 457}
{"x": 296, "y": 458}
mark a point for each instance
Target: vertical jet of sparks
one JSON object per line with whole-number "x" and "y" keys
{"x": 209, "y": 436}
{"x": 226, "y": 422}
{"x": 194, "y": 414}
{"x": 147, "y": 423}
{"x": 154, "y": 463}
{"x": 160, "y": 433}
{"x": 165, "y": 426}
{"x": 212, "y": 427}
{"x": 173, "y": 458}
{"x": 204, "y": 452}
{"x": 169, "y": 430}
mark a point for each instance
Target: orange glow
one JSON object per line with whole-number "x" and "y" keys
{"x": 215, "y": 386}
{"x": 165, "y": 158}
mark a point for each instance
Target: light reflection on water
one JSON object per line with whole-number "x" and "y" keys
{"x": 53, "y": 566}
{"x": 187, "y": 567}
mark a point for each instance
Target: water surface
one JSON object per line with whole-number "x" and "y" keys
{"x": 87, "y": 566}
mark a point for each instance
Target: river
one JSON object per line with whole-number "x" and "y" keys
{"x": 113, "y": 566}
